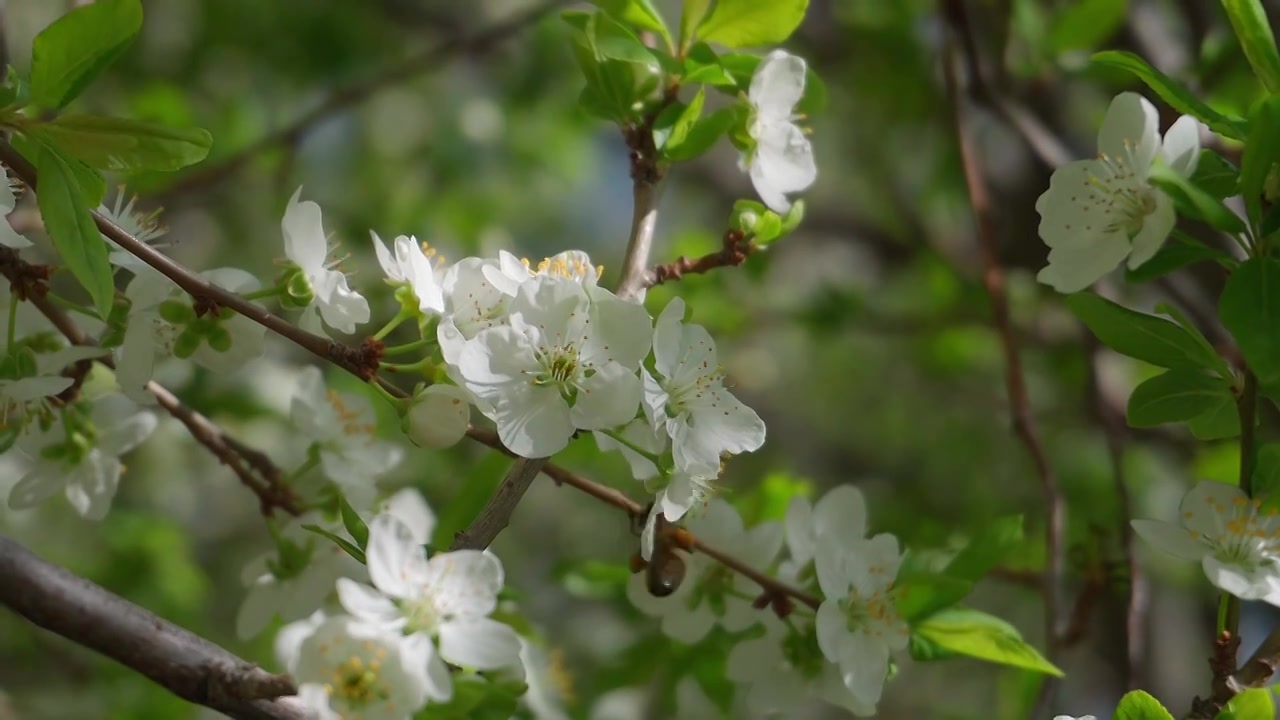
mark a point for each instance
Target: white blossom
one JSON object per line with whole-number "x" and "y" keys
{"x": 677, "y": 491}
{"x": 343, "y": 428}
{"x": 689, "y": 400}
{"x": 410, "y": 267}
{"x": 858, "y": 626}
{"x": 1072, "y": 717}
{"x": 510, "y": 272}
{"x": 1098, "y": 212}
{"x": 18, "y": 392}
{"x": 83, "y": 459}
{"x": 445, "y": 599}
{"x": 144, "y": 227}
{"x": 1236, "y": 542}
{"x": 565, "y": 362}
{"x": 471, "y": 303}
{"x": 346, "y": 669}
{"x": 221, "y": 343}
{"x": 306, "y": 245}
{"x": 842, "y": 511}
{"x": 545, "y": 678}
{"x": 712, "y": 593}
{"x": 8, "y": 201}
{"x": 782, "y": 162}
{"x": 785, "y": 667}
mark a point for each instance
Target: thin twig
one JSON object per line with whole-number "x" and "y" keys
{"x": 187, "y": 665}
{"x": 1024, "y": 424}
{"x": 359, "y": 91}
{"x": 1113, "y": 428}
{"x": 734, "y": 250}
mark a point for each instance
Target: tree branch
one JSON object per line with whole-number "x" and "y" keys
{"x": 357, "y": 92}
{"x": 496, "y": 514}
{"x": 184, "y": 663}
{"x": 1024, "y": 424}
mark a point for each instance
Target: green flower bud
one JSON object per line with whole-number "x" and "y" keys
{"x": 218, "y": 338}
{"x": 187, "y": 343}
{"x": 298, "y": 291}
{"x": 177, "y": 312}
{"x": 438, "y": 417}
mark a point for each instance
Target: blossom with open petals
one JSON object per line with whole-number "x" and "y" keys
{"x": 306, "y": 245}
{"x": 782, "y": 162}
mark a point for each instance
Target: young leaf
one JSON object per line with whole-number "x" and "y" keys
{"x": 354, "y": 524}
{"x": 71, "y": 228}
{"x": 1260, "y": 153}
{"x": 1219, "y": 423}
{"x": 1250, "y": 309}
{"x": 1178, "y": 97}
{"x": 1145, "y": 337}
{"x": 748, "y": 23}
{"x": 127, "y": 146}
{"x": 1253, "y": 704}
{"x": 1194, "y": 202}
{"x": 1216, "y": 175}
{"x": 970, "y": 632}
{"x": 678, "y": 132}
{"x": 1249, "y": 20}
{"x": 639, "y": 13}
{"x": 338, "y": 540}
{"x": 1138, "y": 705}
{"x": 1176, "y": 254}
{"x": 691, "y": 15}
{"x": 702, "y": 65}
{"x": 67, "y": 55}
{"x": 1176, "y": 396}
{"x": 920, "y": 597}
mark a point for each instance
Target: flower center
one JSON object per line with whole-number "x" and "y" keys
{"x": 1116, "y": 186}
{"x": 681, "y": 397}
{"x": 572, "y": 268}
{"x": 1245, "y": 537}
{"x": 561, "y": 366}
{"x": 873, "y": 614}
{"x": 420, "y": 616}
{"x": 357, "y": 683}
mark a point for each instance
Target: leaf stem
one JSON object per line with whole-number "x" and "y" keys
{"x": 395, "y": 322}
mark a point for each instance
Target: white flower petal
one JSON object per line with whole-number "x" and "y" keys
{"x": 480, "y": 643}
{"x": 1155, "y": 230}
{"x": 1181, "y": 147}
{"x": 1131, "y": 130}
{"x": 607, "y": 399}
{"x": 465, "y": 583}
{"x": 393, "y": 555}
{"x": 366, "y": 603}
{"x": 777, "y": 85}
{"x": 304, "y": 239}
{"x": 1076, "y": 267}
{"x": 92, "y": 485}
{"x": 1171, "y": 539}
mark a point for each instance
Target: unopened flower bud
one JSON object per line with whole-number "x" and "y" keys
{"x": 438, "y": 417}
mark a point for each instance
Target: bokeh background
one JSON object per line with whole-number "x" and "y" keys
{"x": 864, "y": 339}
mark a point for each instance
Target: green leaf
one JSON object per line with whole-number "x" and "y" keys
{"x": 1194, "y": 202}
{"x": 702, "y": 65}
{"x": 638, "y": 13}
{"x": 1249, "y": 20}
{"x": 614, "y": 86}
{"x": 1178, "y": 97}
{"x": 1253, "y": 704}
{"x": 1138, "y": 705}
{"x": 71, "y": 228}
{"x": 1085, "y": 24}
{"x": 674, "y": 135}
{"x": 127, "y": 146}
{"x": 923, "y": 595}
{"x": 987, "y": 549}
{"x": 703, "y": 135}
{"x": 1176, "y": 396}
{"x": 615, "y": 41}
{"x": 67, "y": 55}
{"x": 1250, "y": 309}
{"x": 965, "y": 631}
{"x": 1145, "y": 337}
{"x": 338, "y": 540}
{"x": 749, "y": 23}
{"x": 354, "y": 524}
{"x": 1266, "y": 472}
{"x": 1219, "y": 423}
{"x": 1216, "y": 175}
{"x": 741, "y": 67}
{"x": 1260, "y": 153}
{"x": 691, "y": 16}
{"x": 1176, "y": 254}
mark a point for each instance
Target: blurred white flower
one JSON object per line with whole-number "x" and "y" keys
{"x": 1236, "y": 543}
{"x": 145, "y": 227}
{"x": 842, "y": 511}
{"x": 80, "y": 455}
{"x": 785, "y": 667}
{"x": 346, "y": 669}
{"x": 1098, "y": 212}
{"x": 857, "y": 623}
{"x": 8, "y": 236}
{"x": 782, "y": 162}
{"x": 343, "y": 428}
